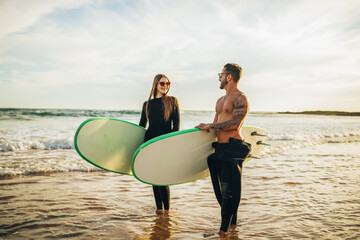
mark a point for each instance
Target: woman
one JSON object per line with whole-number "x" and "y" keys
{"x": 162, "y": 112}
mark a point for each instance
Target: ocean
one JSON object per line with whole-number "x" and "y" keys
{"x": 304, "y": 186}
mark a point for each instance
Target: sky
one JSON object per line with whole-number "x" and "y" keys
{"x": 96, "y": 54}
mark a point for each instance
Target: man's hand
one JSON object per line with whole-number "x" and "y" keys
{"x": 204, "y": 126}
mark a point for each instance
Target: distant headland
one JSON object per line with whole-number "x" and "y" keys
{"x": 326, "y": 113}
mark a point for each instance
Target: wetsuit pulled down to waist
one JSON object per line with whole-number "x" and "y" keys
{"x": 225, "y": 168}
{"x": 235, "y": 151}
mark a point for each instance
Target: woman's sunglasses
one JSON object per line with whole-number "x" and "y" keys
{"x": 165, "y": 83}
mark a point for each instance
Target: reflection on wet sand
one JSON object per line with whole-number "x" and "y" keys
{"x": 161, "y": 228}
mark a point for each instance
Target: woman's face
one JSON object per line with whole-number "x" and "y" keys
{"x": 163, "y": 86}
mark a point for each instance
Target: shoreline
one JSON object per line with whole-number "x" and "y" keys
{"x": 325, "y": 113}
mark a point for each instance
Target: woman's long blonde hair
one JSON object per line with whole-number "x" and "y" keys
{"x": 168, "y": 101}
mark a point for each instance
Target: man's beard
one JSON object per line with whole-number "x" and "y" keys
{"x": 223, "y": 84}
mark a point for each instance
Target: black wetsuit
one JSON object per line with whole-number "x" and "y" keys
{"x": 225, "y": 168}
{"x": 159, "y": 126}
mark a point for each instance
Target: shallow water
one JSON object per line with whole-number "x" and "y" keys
{"x": 305, "y": 186}
{"x": 310, "y": 193}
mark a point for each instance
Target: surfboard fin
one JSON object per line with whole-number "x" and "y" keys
{"x": 257, "y": 134}
{"x": 261, "y": 143}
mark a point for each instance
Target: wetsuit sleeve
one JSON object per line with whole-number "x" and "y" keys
{"x": 143, "y": 120}
{"x": 176, "y": 116}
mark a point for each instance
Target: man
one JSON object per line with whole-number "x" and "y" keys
{"x": 225, "y": 163}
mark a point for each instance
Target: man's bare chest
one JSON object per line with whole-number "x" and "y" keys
{"x": 225, "y": 106}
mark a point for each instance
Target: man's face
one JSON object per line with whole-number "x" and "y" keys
{"x": 223, "y": 78}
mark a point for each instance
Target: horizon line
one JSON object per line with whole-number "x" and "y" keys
{"x": 201, "y": 110}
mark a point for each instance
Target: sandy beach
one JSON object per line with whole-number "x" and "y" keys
{"x": 312, "y": 193}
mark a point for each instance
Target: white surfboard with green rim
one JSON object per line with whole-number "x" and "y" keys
{"x": 181, "y": 157}
{"x": 109, "y": 143}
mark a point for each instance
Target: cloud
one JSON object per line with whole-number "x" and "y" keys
{"x": 16, "y": 15}
{"x": 114, "y": 44}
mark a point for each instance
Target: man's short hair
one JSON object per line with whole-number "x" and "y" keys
{"x": 235, "y": 71}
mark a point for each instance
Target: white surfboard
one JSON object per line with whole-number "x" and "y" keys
{"x": 109, "y": 143}
{"x": 181, "y": 157}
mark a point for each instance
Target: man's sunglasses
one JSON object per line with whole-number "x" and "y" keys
{"x": 165, "y": 83}
{"x": 221, "y": 74}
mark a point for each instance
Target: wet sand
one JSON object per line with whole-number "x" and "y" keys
{"x": 312, "y": 193}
